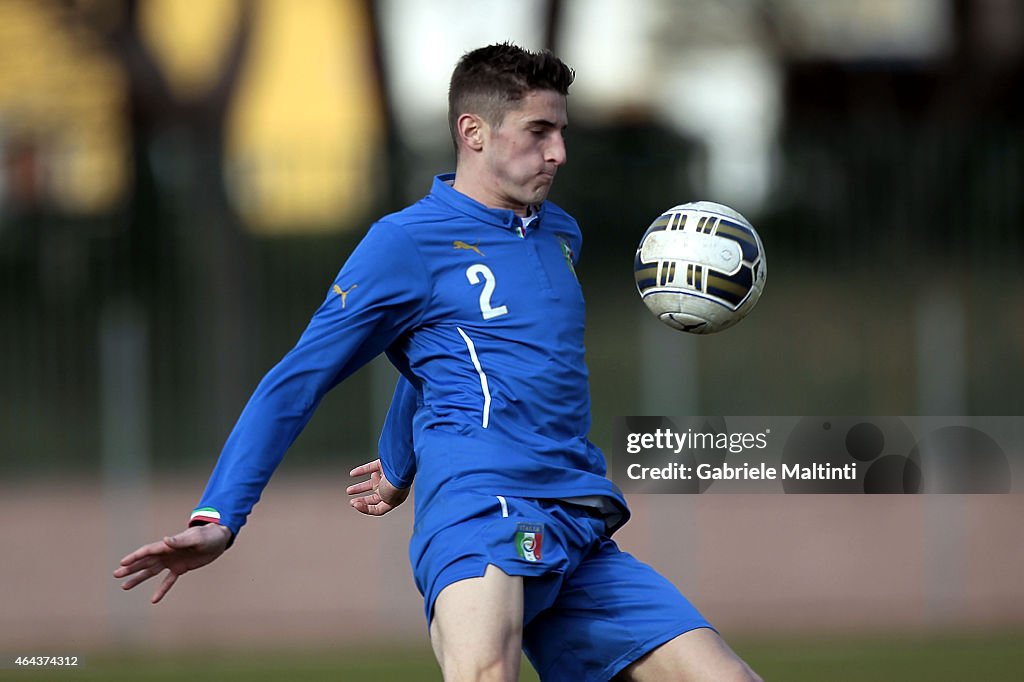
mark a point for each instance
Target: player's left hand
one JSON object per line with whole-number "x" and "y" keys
{"x": 383, "y": 496}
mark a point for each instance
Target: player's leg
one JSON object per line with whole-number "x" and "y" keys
{"x": 477, "y": 628}
{"x": 695, "y": 655}
{"x": 616, "y": 617}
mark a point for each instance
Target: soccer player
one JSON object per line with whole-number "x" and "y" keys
{"x": 472, "y": 293}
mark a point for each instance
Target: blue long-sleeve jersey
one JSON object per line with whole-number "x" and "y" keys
{"x": 484, "y": 319}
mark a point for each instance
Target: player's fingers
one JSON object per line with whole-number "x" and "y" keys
{"x": 362, "y": 504}
{"x": 141, "y": 576}
{"x": 165, "y": 587}
{"x": 379, "y": 509}
{"x": 362, "y": 487}
{"x": 367, "y": 468}
{"x": 186, "y": 539}
{"x": 135, "y": 567}
{"x": 373, "y": 505}
{"x": 191, "y": 543}
{"x": 158, "y": 547}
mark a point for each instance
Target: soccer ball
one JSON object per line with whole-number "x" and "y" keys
{"x": 700, "y": 267}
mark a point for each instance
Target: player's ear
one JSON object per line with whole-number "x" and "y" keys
{"x": 471, "y": 131}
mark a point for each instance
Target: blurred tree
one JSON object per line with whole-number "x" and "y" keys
{"x": 553, "y": 12}
{"x": 179, "y": 223}
{"x": 394, "y": 149}
{"x": 931, "y": 144}
{"x": 398, "y": 159}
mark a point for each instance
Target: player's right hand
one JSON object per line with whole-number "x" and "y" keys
{"x": 181, "y": 553}
{"x": 383, "y": 496}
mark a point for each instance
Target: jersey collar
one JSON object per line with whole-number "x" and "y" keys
{"x": 499, "y": 217}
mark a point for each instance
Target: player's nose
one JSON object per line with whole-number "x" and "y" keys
{"x": 555, "y": 152}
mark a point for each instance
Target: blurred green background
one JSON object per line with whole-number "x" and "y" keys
{"x": 203, "y": 199}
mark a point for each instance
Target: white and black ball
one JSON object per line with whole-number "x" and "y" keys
{"x": 700, "y": 267}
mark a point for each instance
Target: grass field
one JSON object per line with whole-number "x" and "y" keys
{"x": 974, "y": 659}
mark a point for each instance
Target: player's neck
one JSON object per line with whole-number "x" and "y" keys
{"x": 465, "y": 184}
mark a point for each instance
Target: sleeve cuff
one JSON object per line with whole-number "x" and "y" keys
{"x": 205, "y": 515}
{"x": 394, "y": 479}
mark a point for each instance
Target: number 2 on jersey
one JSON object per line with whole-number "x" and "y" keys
{"x": 473, "y": 274}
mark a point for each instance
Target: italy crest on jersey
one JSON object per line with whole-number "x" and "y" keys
{"x": 529, "y": 537}
{"x": 568, "y": 255}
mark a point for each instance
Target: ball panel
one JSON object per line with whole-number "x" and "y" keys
{"x": 686, "y": 323}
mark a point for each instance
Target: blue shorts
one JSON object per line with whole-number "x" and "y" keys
{"x": 590, "y": 609}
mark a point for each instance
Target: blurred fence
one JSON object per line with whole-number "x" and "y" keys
{"x": 863, "y": 225}
{"x": 309, "y": 573}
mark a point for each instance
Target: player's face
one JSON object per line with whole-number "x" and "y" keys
{"x": 523, "y": 154}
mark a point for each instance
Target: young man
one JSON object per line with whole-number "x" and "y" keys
{"x": 472, "y": 293}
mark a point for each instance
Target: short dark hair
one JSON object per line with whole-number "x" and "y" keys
{"x": 489, "y": 81}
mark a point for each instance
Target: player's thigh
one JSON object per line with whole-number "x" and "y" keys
{"x": 697, "y": 655}
{"x": 611, "y": 611}
{"x": 477, "y": 628}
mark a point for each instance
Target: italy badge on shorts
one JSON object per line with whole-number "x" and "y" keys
{"x": 529, "y": 537}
